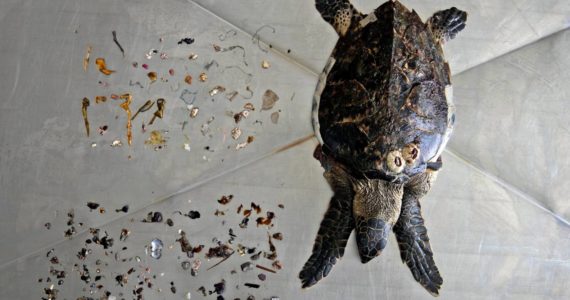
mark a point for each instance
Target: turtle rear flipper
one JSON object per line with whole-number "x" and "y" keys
{"x": 339, "y": 13}
{"x": 412, "y": 237}
{"x": 334, "y": 231}
{"x": 446, "y": 24}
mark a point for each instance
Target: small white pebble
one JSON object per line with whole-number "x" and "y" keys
{"x": 93, "y": 145}
{"x": 187, "y": 147}
{"x": 188, "y": 296}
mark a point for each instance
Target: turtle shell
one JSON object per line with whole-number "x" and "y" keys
{"x": 384, "y": 99}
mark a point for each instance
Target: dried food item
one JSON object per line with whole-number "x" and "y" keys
{"x": 102, "y": 66}
{"x": 148, "y": 105}
{"x": 126, "y": 107}
{"x": 84, "y": 106}
{"x": 160, "y": 103}
{"x": 269, "y": 99}
{"x": 225, "y": 199}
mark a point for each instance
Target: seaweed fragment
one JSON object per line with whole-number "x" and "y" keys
{"x": 148, "y": 105}
{"x": 117, "y": 42}
{"x": 125, "y": 106}
{"x": 85, "y": 104}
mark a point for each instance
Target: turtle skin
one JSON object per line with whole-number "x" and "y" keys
{"x": 383, "y": 114}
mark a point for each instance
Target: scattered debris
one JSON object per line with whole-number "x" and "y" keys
{"x": 148, "y": 105}
{"x": 247, "y": 266}
{"x": 203, "y": 77}
{"x": 217, "y": 89}
{"x": 256, "y": 37}
{"x": 193, "y": 56}
{"x": 236, "y": 133}
{"x": 116, "y": 143}
{"x": 269, "y": 99}
{"x": 100, "y": 99}
{"x": 252, "y": 285}
{"x": 156, "y": 247}
{"x": 160, "y": 103}
{"x": 100, "y": 62}
{"x": 86, "y": 57}
{"x": 152, "y": 76}
{"x": 117, "y": 42}
{"x": 84, "y": 106}
{"x": 194, "y": 112}
{"x": 103, "y": 129}
{"x": 193, "y": 214}
{"x": 265, "y": 64}
{"x": 187, "y": 41}
{"x": 274, "y": 117}
{"x": 227, "y": 34}
{"x": 125, "y": 106}
{"x": 188, "y": 79}
{"x": 92, "y": 205}
{"x": 225, "y": 199}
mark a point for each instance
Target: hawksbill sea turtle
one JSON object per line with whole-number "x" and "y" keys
{"x": 383, "y": 113}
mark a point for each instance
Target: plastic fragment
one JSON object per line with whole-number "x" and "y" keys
{"x": 156, "y": 247}
{"x": 269, "y": 99}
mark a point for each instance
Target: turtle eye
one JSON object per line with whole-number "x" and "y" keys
{"x": 411, "y": 153}
{"x": 395, "y": 161}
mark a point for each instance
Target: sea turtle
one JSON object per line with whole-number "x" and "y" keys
{"x": 382, "y": 113}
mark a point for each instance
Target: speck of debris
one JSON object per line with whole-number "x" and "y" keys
{"x": 278, "y": 236}
{"x": 262, "y": 277}
{"x": 124, "y": 209}
{"x": 169, "y": 222}
{"x": 225, "y": 199}
{"x": 92, "y": 205}
{"x": 247, "y": 266}
{"x": 252, "y": 285}
{"x": 186, "y": 41}
{"x": 265, "y": 64}
{"x": 193, "y": 214}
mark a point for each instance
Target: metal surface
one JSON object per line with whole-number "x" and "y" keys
{"x": 497, "y": 216}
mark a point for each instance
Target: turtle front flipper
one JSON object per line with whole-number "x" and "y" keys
{"x": 376, "y": 208}
{"x": 335, "y": 228}
{"x": 412, "y": 237}
{"x": 339, "y": 13}
{"x": 446, "y": 24}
